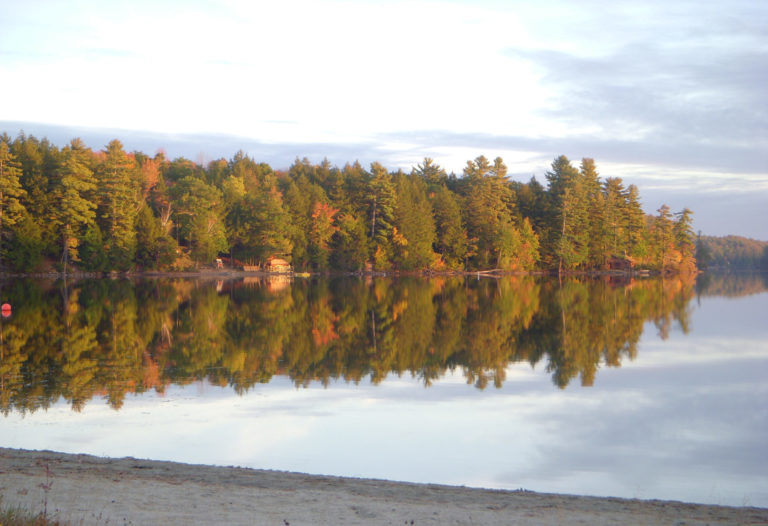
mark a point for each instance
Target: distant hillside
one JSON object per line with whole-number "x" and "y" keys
{"x": 731, "y": 252}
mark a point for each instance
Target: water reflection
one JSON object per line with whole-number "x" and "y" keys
{"x": 113, "y": 337}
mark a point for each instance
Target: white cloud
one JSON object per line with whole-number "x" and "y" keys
{"x": 674, "y": 90}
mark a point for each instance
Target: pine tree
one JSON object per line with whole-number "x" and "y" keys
{"x": 432, "y": 173}
{"x": 199, "y": 217}
{"x": 11, "y": 210}
{"x": 616, "y": 210}
{"x": 350, "y": 242}
{"x": 40, "y": 163}
{"x": 599, "y": 247}
{"x": 451, "y": 242}
{"x": 414, "y": 223}
{"x": 381, "y": 202}
{"x": 685, "y": 240}
{"x": 568, "y": 239}
{"x": 269, "y": 224}
{"x": 663, "y": 238}
{"x": 119, "y": 188}
{"x": 75, "y": 210}
{"x": 635, "y": 243}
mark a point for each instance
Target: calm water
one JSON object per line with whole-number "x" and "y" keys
{"x": 649, "y": 389}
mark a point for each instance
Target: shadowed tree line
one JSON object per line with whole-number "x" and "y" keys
{"x": 112, "y": 210}
{"x": 731, "y": 253}
{"x": 109, "y": 338}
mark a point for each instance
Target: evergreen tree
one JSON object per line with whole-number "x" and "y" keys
{"x": 615, "y": 215}
{"x": 432, "y": 174}
{"x": 381, "y": 202}
{"x": 91, "y": 251}
{"x": 599, "y": 247}
{"x": 490, "y": 215}
{"x": 75, "y": 210}
{"x": 154, "y": 247}
{"x": 451, "y": 237}
{"x": 663, "y": 239}
{"x": 269, "y": 223}
{"x": 685, "y": 240}
{"x": 350, "y": 242}
{"x": 25, "y": 249}
{"x": 568, "y": 239}
{"x": 533, "y": 203}
{"x": 40, "y": 165}
{"x": 414, "y": 223}
{"x": 635, "y": 243}
{"x": 299, "y": 206}
{"x": 198, "y": 211}
{"x": 11, "y": 210}
{"x": 118, "y": 190}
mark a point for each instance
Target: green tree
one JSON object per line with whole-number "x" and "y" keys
{"x": 350, "y": 242}
{"x": 25, "y": 249}
{"x": 635, "y": 243}
{"x": 199, "y": 217}
{"x": 91, "y": 251}
{"x": 432, "y": 173}
{"x": 599, "y": 243}
{"x": 414, "y": 223}
{"x": 271, "y": 233}
{"x": 75, "y": 210}
{"x": 451, "y": 239}
{"x": 685, "y": 240}
{"x": 299, "y": 206}
{"x": 40, "y": 164}
{"x": 491, "y": 216}
{"x": 154, "y": 247}
{"x": 616, "y": 209}
{"x": 381, "y": 203}
{"x": 663, "y": 239}
{"x": 11, "y": 210}
{"x": 118, "y": 189}
{"x": 568, "y": 239}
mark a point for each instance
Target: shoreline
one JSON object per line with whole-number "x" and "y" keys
{"x": 84, "y": 489}
{"x": 238, "y": 273}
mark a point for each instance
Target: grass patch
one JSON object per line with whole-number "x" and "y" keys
{"x": 17, "y": 516}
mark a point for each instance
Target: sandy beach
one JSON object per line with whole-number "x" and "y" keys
{"x": 84, "y": 489}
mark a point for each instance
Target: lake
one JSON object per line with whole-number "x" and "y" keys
{"x": 649, "y": 388}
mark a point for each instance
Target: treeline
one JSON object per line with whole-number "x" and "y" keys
{"x": 111, "y": 338}
{"x": 114, "y": 210}
{"x": 731, "y": 253}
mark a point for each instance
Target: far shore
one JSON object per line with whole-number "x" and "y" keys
{"x": 230, "y": 273}
{"x": 89, "y": 490}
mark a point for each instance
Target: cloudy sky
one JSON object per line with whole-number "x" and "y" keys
{"x": 667, "y": 95}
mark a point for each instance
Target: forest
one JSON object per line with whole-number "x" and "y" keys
{"x": 731, "y": 253}
{"x": 73, "y": 208}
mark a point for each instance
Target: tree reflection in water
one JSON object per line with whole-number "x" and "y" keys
{"x": 112, "y": 337}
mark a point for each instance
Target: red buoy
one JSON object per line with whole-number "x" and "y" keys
{"x": 5, "y": 310}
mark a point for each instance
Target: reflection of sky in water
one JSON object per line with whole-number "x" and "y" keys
{"x": 687, "y": 420}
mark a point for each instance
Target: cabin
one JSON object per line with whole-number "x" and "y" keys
{"x": 278, "y": 266}
{"x": 621, "y": 263}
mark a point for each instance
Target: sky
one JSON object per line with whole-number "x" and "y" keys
{"x": 669, "y": 96}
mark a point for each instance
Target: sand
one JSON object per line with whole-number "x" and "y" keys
{"x": 83, "y": 489}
